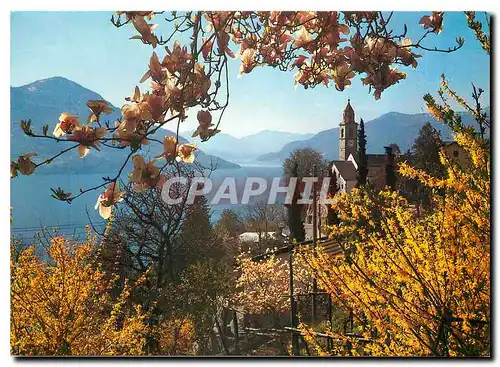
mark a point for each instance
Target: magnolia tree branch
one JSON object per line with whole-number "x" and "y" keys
{"x": 327, "y": 48}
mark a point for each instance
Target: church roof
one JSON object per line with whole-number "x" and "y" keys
{"x": 348, "y": 112}
{"x": 346, "y": 170}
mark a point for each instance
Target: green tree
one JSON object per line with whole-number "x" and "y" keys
{"x": 197, "y": 239}
{"x": 390, "y": 171}
{"x": 295, "y": 222}
{"x": 425, "y": 151}
{"x": 229, "y": 225}
{"x": 332, "y": 216}
{"x": 362, "y": 158}
{"x": 425, "y": 156}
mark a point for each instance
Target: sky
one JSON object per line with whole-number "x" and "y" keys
{"x": 86, "y": 48}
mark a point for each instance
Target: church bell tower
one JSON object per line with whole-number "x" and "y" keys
{"x": 348, "y": 140}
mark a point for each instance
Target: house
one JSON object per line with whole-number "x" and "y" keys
{"x": 456, "y": 152}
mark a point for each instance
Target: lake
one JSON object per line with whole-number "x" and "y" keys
{"x": 33, "y": 206}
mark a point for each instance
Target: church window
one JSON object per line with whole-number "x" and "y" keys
{"x": 455, "y": 153}
{"x": 341, "y": 133}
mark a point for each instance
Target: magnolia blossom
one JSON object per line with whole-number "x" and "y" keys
{"x": 67, "y": 123}
{"x": 434, "y": 21}
{"x": 381, "y": 80}
{"x": 97, "y": 107}
{"x": 341, "y": 76}
{"x": 247, "y": 61}
{"x": 88, "y": 137}
{"x": 145, "y": 29}
{"x": 206, "y": 48}
{"x": 404, "y": 52}
{"x": 204, "y": 130}
{"x": 302, "y": 38}
{"x": 222, "y": 43}
{"x": 177, "y": 59}
{"x": 108, "y": 199}
{"x": 173, "y": 95}
{"x": 130, "y": 132}
{"x": 196, "y": 86}
{"x": 185, "y": 153}
{"x": 155, "y": 105}
{"x": 169, "y": 147}
{"x": 155, "y": 71}
{"x": 145, "y": 175}
{"x": 24, "y": 165}
{"x": 131, "y": 112}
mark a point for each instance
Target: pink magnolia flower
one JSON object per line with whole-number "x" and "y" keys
{"x": 155, "y": 106}
{"x": 404, "y": 52}
{"x": 434, "y": 21}
{"x": 131, "y": 112}
{"x": 24, "y": 165}
{"x": 145, "y": 30}
{"x": 169, "y": 147}
{"x": 108, "y": 199}
{"x": 66, "y": 124}
{"x": 196, "y": 86}
{"x": 248, "y": 61}
{"x": 155, "y": 70}
{"x": 130, "y": 131}
{"x": 204, "y": 124}
{"x": 222, "y": 43}
{"x": 145, "y": 175}
{"x": 185, "y": 153}
{"x": 206, "y": 48}
{"x": 97, "y": 107}
{"x": 341, "y": 76}
{"x": 303, "y": 37}
{"x": 88, "y": 137}
{"x": 177, "y": 59}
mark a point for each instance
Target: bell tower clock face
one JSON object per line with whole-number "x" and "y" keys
{"x": 350, "y": 143}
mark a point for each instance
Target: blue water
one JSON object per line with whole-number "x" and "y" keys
{"x": 33, "y": 207}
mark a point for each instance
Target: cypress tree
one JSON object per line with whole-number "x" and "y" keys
{"x": 390, "y": 173}
{"x": 332, "y": 217}
{"x": 295, "y": 223}
{"x": 362, "y": 158}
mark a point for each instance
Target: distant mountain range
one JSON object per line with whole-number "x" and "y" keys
{"x": 247, "y": 148}
{"x": 44, "y": 100}
{"x": 392, "y": 127}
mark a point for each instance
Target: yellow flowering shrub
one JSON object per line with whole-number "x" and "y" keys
{"x": 417, "y": 284}
{"x": 61, "y": 305}
{"x": 176, "y": 336}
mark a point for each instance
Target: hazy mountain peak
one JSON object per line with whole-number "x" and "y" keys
{"x": 44, "y": 100}
{"x": 52, "y": 82}
{"x": 55, "y": 91}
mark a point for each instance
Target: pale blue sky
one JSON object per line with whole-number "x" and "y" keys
{"x": 86, "y": 48}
